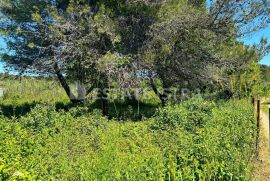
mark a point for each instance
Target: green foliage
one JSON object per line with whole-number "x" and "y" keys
{"x": 265, "y": 80}
{"x": 247, "y": 81}
{"x": 190, "y": 115}
{"x": 98, "y": 43}
{"x": 220, "y": 140}
{"x": 196, "y": 140}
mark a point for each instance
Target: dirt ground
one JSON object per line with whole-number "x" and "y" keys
{"x": 262, "y": 170}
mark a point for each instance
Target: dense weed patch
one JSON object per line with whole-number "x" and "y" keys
{"x": 195, "y": 140}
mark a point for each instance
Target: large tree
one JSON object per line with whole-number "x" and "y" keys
{"x": 189, "y": 41}
{"x": 96, "y": 42}
{"x": 91, "y": 42}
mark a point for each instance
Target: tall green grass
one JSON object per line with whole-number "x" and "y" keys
{"x": 28, "y": 90}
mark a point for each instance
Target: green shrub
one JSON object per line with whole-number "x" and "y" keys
{"x": 195, "y": 140}
{"x": 190, "y": 115}
{"x": 220, "y": 138}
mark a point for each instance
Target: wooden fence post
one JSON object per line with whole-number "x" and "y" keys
{"x": 258, "y": 125}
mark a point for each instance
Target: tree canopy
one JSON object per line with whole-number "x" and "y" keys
{"x": 97, "y": 42}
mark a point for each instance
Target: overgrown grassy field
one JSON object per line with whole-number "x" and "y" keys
{"x": 42, "y": 137}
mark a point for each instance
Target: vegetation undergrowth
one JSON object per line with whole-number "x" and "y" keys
{"x": 194, "y": 140}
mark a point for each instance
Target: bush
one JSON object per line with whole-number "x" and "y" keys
{"x": 196, "y": 140}
{"x": 189, "y": 115}
{"x": 220, "y": 138}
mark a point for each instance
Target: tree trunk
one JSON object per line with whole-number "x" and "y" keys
{"x": 162, "y": 96}
{"x": 103, "y": 97}
{"x": 65, "y": 85}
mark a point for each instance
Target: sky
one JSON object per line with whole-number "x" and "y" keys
{"x": 2, "y": 45}
{"x": 255, "y": 38}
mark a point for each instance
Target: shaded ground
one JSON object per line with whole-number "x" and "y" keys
{"x": 124, "y": 111}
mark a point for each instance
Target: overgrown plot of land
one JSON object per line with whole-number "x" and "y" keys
{"x": 196, "y": 139}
